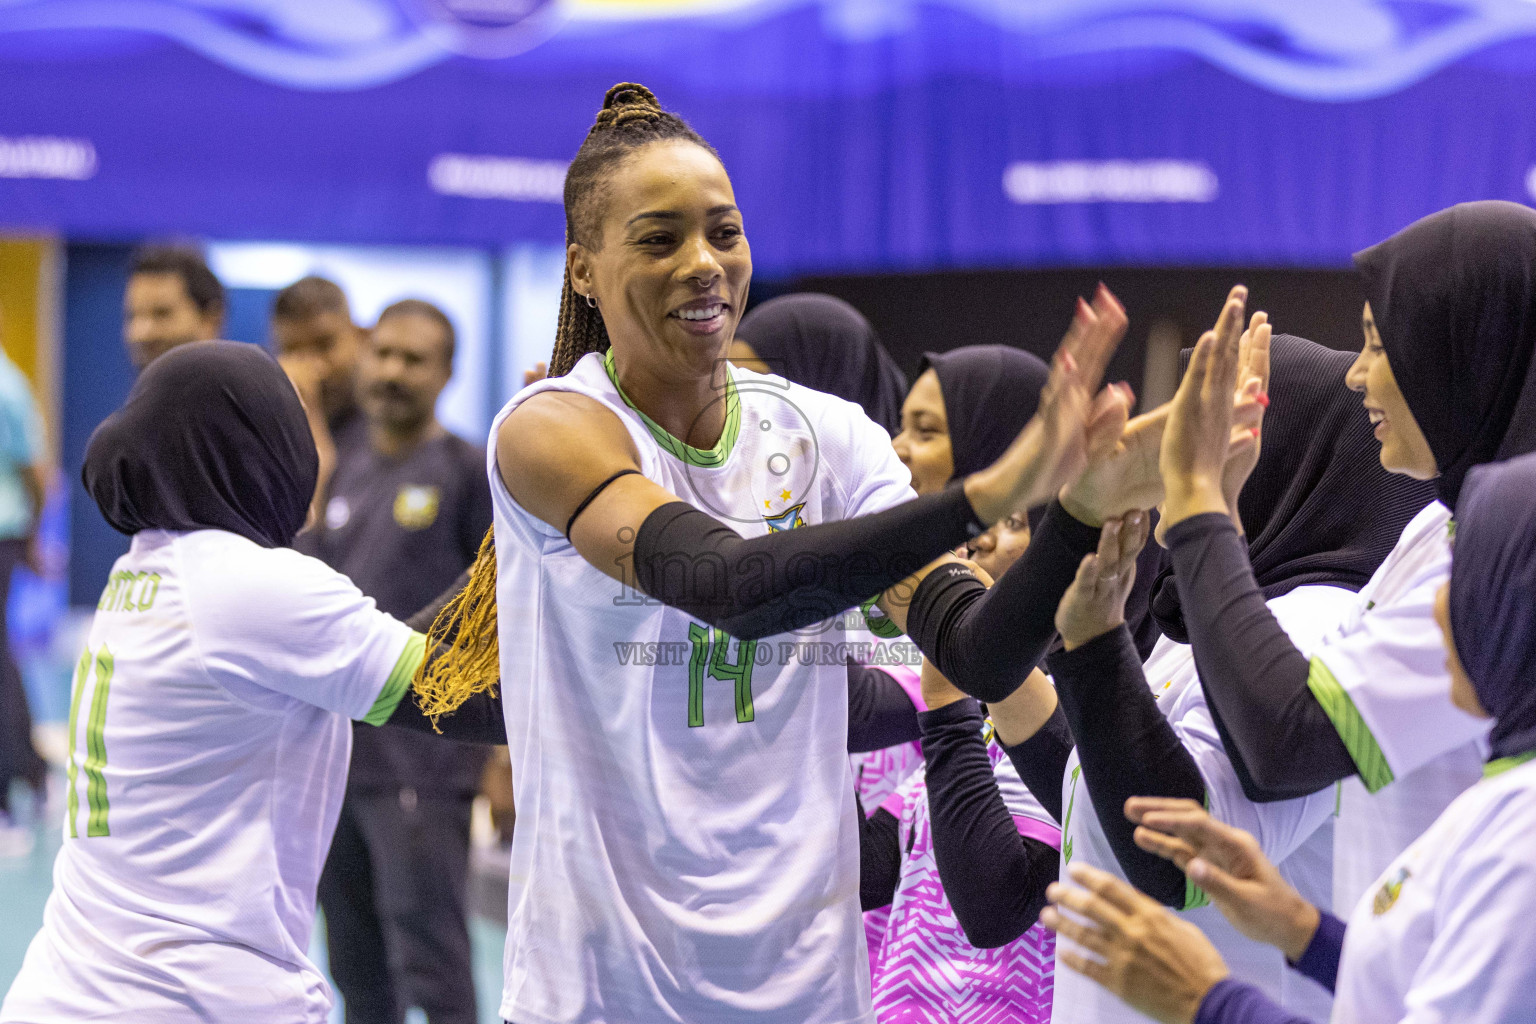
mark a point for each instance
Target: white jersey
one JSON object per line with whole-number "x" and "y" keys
{"x": 1445, "y": 934}
{"x": 209, "y": 735}
{"x": 687, "y": 844}
{"x": 1381, "y": 678}
{"x": 1293, "y": 833}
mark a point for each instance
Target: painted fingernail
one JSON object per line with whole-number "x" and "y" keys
{"x": 1255, "y": 431}
{"x": 1262, "y": 398}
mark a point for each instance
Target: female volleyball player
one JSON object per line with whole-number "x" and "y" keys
{"x": 686, "y": 846}
{"x": 1444, "y": 933}
{"x": 209, "y": 730}
{"x": 1448, "y": 377}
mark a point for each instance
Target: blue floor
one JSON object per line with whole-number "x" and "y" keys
{"x": 25, "y": 882}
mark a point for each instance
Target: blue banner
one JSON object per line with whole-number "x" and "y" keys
{"x": 860, "y": 134}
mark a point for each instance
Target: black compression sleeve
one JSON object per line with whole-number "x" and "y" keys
{"x": 880, "y": 714}
{"x": 994, "y": 878}
{"x": 879, "y": 858}
{"x": 1127, "y": 748}
{"x": 477, "y": 720}
{"x": 791, "y": 578}
{"x": 1279, "y": 738}
{"x": 1041, "y": 761}
{"x": 422, "y": 621}
{"x": 987, "y": 641}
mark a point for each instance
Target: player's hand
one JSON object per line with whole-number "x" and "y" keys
{"x": 538, "y": 373}
{"x": 1251, "y": 399}
{"x": 1196, "y": 440}
{"x": 1122, "y": 476}
{"x": 1157, "y": 963}
{"x": 1070, "y": 422}
{"x": 1095, "y": 602}
{"x": 1227, "y": 863}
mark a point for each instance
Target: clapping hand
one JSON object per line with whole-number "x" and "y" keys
{"x": 1095, "y": 602}
{"x": 1070, "y": 422}
{"x": 1197, "y": 440}
{"x": 1228, "y": 864}
{"x": 1158, "y": 963}
{"x": 1251, "y": 400}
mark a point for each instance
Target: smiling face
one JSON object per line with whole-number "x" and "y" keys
{"x": 923, "y": 444}
{"x": 1000, "y": 546}
{"x": 671, "y": 266}
{"x": 1403, "y": 446}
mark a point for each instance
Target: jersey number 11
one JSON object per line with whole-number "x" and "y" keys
{"x": 95, "y": 743}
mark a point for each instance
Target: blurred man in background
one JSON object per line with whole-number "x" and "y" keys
{"x": 407, "y": 510}
{"x": 172, "y": 299}
{"x": 23, "y": 484}
{"x": 319, "y": 345}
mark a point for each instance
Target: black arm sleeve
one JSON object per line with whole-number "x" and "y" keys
{"x": 987, "y": 641}
{"x": 789, "y": 579}
{"x": 1041, "y": 761}
{"x": 1127, "y": 749}
{"x": 422, "y": 621}
{"x": 1281, "y": 742}
{"x": 879, "y": 858}
{"x": 478, "y": 720}
{"x": 880, "y": 714}
{"x": 994, "y": 878}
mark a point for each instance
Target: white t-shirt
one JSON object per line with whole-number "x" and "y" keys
{"x": 687, "y": 844}
{"x": 209, "y": 738}
{"x": 1293, "y": 833}
{"x": 1445, "y": 935}
{"x": 1381, "y": 677}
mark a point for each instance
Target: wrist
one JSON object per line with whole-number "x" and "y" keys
{"x": 1080, "y": 510}
{"x": 1088, "y": 634}
{"x": 1192, "y": 496}
{"x": 981, "y": 490}
{"x": 1301, "y": 928}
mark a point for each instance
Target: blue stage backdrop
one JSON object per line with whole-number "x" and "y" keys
{"x": 862, "y": 134}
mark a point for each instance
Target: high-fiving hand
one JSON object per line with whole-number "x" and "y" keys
{"x": 1070, "y": 422}
{"x": 1228, "y": 864}
{"x": 1095, "y": 602}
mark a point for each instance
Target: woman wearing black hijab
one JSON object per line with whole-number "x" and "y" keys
{"x": 1448, "y": 378}
{"x": 1445, "y": 934}
{"x": 823, "y": 343}
{"x": 209, "y": 729}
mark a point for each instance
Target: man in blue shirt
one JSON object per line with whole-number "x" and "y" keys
{"x": 21, "y": 500}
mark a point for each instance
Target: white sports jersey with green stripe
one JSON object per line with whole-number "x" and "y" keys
{"x": 1381, "y": 678}
{"x": 209, "y": 737}
{"x": 687, "y": 840}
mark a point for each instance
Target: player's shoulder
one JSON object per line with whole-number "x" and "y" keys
{"x": 824, "y": 411}
{"x": 225, "y": 573}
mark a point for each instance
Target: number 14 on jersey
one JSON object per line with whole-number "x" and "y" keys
{"x": 711, "y": 656}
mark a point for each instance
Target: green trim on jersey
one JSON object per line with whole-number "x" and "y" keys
{"x": 399, "y": 680}
{"x": 710, "y": 459}
{"x": 1504, "y": 764}
{"x": 879, "y": 624}
{"x": 1194, "y": 896}
{"x": 1356, "y": 734}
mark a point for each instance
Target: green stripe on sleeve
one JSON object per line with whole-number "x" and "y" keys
{"x": 1504, "y": 764}
{"x": 1358, "y": 739}
{"x": 399, "y": 680}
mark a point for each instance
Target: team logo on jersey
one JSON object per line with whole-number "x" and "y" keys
{"x": 786, "y": 520}
{"x": 416, "y": 506}
{"x": 1390, "y": 890}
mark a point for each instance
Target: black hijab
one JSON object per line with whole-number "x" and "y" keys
{"x": 1318, "y": 508}
{"x": 825, "y": 344}
{"x": 1493, "y": 597}
{"x": 1454, "y": 298}
{"x": 990, "y": 393}
{"x": 212, "y": 437}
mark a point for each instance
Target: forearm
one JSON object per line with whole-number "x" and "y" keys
{"x": 1041, "y": 760}
{"x": 786, "y": 580}
{"x": 1281, "y": 741}
{"x": 480, "y": 719}
{"x": 880, "y": 713}
{"x": 994, "y": 878}
{"x": 986, "y": 641}
{"x": 1233, "y": 1002}
{"x": 1127, "y": 748}
{"x": 422, "y": 621}
{"x": 879, "y": 858}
